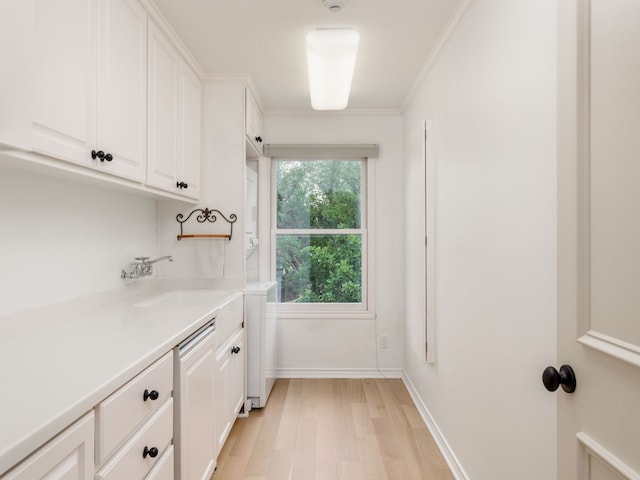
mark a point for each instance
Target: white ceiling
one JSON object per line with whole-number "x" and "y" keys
{"x": 264, "y": 39}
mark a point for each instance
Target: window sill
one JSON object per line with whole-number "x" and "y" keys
{"x": 326, "y": 316}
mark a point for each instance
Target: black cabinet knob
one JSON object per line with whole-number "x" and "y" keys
{"x": 151, "y": 452}
{"x": 100, "y": 155}
{"x": 153, "y": 395}
{"x": 259, "y": 139}
{"x": 235, "y": 349}
{"x": 566, "y": 377}
{"x": 182, "y": 185}
{"x": 97, "y": 154}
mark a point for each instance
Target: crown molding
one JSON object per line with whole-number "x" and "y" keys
{"x": 157, "y": 16}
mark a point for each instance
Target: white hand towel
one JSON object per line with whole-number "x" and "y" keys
{"x": 210, "y": 257}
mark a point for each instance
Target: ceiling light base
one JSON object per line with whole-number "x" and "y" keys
{"x": 333, "y": 5}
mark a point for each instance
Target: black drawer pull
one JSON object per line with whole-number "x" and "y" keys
{"x": 153, "y": 395}
{"x": 152, "y": 452}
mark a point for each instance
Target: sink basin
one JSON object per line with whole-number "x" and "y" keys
{"x": 185, "y": 298}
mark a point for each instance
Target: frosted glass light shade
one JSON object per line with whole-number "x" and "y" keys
{"x": 331, "y": 59}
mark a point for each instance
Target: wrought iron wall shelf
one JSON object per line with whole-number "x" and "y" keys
{"x": 206, "y": 215}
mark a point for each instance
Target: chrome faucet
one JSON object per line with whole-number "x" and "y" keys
{"x": 159, "y": 259}
{"x": 143, "y": 267}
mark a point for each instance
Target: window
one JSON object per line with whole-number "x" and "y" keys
{"x": 320, "y": 234}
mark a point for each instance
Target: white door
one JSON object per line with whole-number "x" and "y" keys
{"x": 599, "y": 238}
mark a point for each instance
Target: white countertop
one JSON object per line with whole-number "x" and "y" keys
{"x": 58, "y": 362}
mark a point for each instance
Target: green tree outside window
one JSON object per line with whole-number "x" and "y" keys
{"x": 319, "y": 238}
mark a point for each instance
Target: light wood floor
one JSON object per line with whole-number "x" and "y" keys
{"x": 338, "y": 429}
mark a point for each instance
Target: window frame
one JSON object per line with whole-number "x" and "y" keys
{"x": 364, "y": 309}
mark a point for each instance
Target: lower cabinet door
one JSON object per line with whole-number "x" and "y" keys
{"x": 237, "y": 377}
{"x": 195, "y": 434}
{"x": 230, "y": 385}
{"x": 69, "y": 456}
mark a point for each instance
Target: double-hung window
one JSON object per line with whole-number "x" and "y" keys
{"x": 320, "y": 236}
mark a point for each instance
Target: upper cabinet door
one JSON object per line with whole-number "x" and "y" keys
{"x": 63, "y": 78}
{"x": 164, "y": 69}
{"x": 253, "y": 123}
{"x": 122, "y": 87}
{"x": 190, "y": 130}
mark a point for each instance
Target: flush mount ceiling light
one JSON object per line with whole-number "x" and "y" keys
{"x": 333, "y": 5}
{"x": 331, "y": 59}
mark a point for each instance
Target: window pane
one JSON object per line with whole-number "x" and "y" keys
{"x": 319, "y": 268}
{"x": 318, "y": 194}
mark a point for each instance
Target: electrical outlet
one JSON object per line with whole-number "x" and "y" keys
{"x": 384, "y": 341}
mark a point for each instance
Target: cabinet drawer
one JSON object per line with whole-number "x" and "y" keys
{"x": 129, "y": 462}
{"x": 163, "y": 470}
{"x": 124, "y": 411}
{"x": 229, "y": 319}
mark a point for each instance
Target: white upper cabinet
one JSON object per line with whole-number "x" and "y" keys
{"x": 63, "y": 83}
{"x": 89, "y": 84}
{"x": 253, "y": 123}
{"x": 106, "y": 85}
{"x": 164, "y": 80}
{"x": 174, "y": 119}
{"x": 121, "y": 121}
{"x": 190, "y": 130}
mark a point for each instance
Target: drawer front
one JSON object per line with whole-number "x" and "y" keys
{"x": 122, "y": 413}
{"x": 229, "y": 319}
{"x": 129, "y": 462}
{"x": 163, "y": 470}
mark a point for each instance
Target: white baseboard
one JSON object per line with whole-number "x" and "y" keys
{"x": 455, "y": 466}
{"x": 340, "y": 373}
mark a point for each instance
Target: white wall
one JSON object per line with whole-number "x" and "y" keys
{"x": 342, "y": 346}
{"x": 491, "y": 94}
{"x": 62, "y": 239}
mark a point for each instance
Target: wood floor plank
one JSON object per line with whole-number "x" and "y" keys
{"x": 305, "y": 449}
{"x": 347, "y": 470}
{"x": 337, "y": 429}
